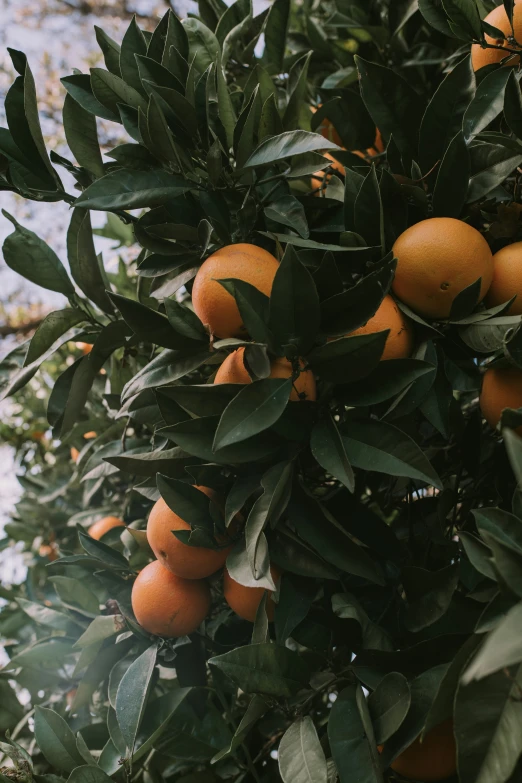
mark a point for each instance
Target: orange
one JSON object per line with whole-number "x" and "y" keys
{"x": 501, "y": 388}
{"x": 213, "y": 305}
{"x": 48, "y": 551}
{"x": 233, "y": 370}
{"x": 498, "y": 18}
{"x": 507, "y": 278}
{"x": 436, "y": 259}
{"x": 167, "y": 605}
{"x": 319, "y": 177}
{"x": 435, "y": 758}
{"x": 90, "y": 435}
{"x": 103, "y": 526}
{"x": 85, "y": 348}
{"x": 74, "y": 454}
{"x": 245, "y": 600}
{"x": 400, "y": 340}
{"x": 190, "y": 562}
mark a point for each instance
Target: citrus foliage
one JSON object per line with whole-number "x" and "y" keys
{"x": 366, "y": 493}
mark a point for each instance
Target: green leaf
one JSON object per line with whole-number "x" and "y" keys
{"x": 381, "y": 447}
{"x": 297, "y": 113}
{"x": 45, "y": 615}
{"x": 389, "y": 378}
{"x": 110, "y": 90}
{"x": 487, "y": 723}
{"x": 393, "y": 104}
{"x": 88, "y": 774}
{"x": 255, "y": 408}
{"x": 514, "y": 449}
{"x": 429, "y": 594}
{"x": 133, "y": 43}
{"x": 226, "y": 111}
{"x": 106, "y": 554}
{"x": 501, "y": 648}
{"x": 53, "y": 326}
{"x": 487, "y": 102}
{"x": 79, "y": 87}
{"x": 513, "y": 105}
{"x": 276, "y": 35}
{"x": 83, "y": 261}
{"x": 82, "y": 136}
{"x": 124, "y": 189}
{"x": 253, "y": 307}
{"x": 277, "y": 486}
{"x": 500, "y": 526}
{"x": 490, "y": 165}
{"x": 285, "y": 145}
{"x": 294, "y": 305}
{"x": 348, "y": 359}
{"x": 328, "y": 449}
{"x": 389, "y": 705}
{"x": 292, "y": 608}
{"x": 351, "y": 737}
{"x": 330, "y": 540}
{"x": 443, "y": 116}
{"x": 188, "y": 502}
{"x": 434, "y": 14}
{"x": 264, "y": 668}
{"x": 132, "y": 695}
{"x": 368, "y": 211}
{"x": 29, "y": 256}
{"x": 56, "y": 740}
{"x": 255, "y": 710}
{"x": 464, "y": 14}
{"x": 110, "y": 49}
{"x": 344, "y": 312}
{"x": 290, "y": 212}
{"x": 451, "y": 188}
{"x": 76, "y": 595}
{"x": 300, "y": 755}
{"x": 203, "y": 45}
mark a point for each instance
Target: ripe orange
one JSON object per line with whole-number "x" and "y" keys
{"x": 501, "y": 388}
{"x": 245, "y": 600}
{"x": 74, "y": 454}
{"x": 507, "y": 278}
{"x": 167, "y": 605}
{"x": 48, "y": 551}
{"x": 436, "y": 259}
{"x": 400, "y": 340}
{"x": 214, "y": 306}
{"x": 103, "y": 526}
{"x": 90, "y": 435}
{"x": 435, "y": 758}
{"x": 189, "y": 562}
{"x": 85, "y": 348}
{"x": 498, "y": 18}
{"x": 233, "y": 370}
{"x": 318, "y": 177}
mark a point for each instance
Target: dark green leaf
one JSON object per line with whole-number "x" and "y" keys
{"x": 132, "y": 695}
{"x": 285, "y": 145}
{"x": 294, "y": 305}
{"x": 83, "y": 261}
{"x": 264, "y": 668}
{"x": 82, "y": 136}
{"x": 388, "y": 705}
{"x": 451, "y": 187}
{"x": 486, "y": 104}
{"x": 132, "y": 189}
{"x": 328, "y": 449}
{"x": 352, "y": 741}
{"x": 56, "y": 740}
{"x": 348, "y": 359}
{"x": 53, "y": 326}
{"x": 301, "y": 757}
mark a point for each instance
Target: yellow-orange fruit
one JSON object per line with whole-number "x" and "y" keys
{"x": 167, "y": 605}
{"x": 233, "y": 370}
{"x": 400, "y": 340}
{"x": 501, "y": 388}
{"x": 435, "y": 758}
{"x": 90, "y": 435}
{"x": 85, "y": 348}
{"x": 318, "y": 177}
{"x": 103, "y": 526}
{"x": 498, "y": 18}
{"x": 507, "y": 278}
{"x": 436, "y": 259}
{"x": 74, "y": 454}
{"x": 48, "y": 551}
{"x": 189, "y": 562}
{"x": 244, "y": 601}
{"x": 213, "y": 305}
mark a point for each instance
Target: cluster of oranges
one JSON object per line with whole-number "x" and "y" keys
{"x": 170, "y": 596}
{"x": 437, "y": 258}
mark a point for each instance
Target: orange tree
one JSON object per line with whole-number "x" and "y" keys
{"x": 341, "y": 600}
